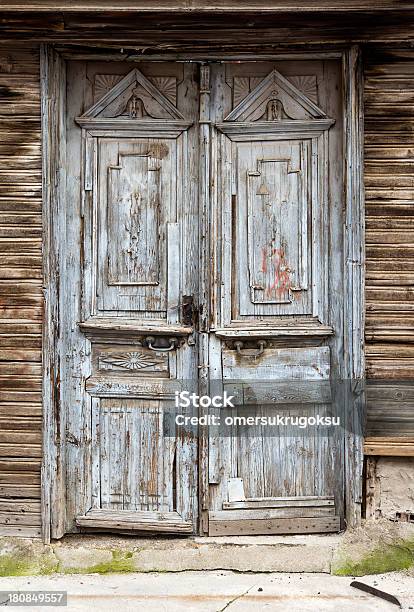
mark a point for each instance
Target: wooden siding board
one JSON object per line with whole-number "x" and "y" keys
{"x": 193, "y": 6}
{"x": 21, "y": 300}
{"x": 139, "y": 31}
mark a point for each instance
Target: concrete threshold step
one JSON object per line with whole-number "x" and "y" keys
{"x": 92, "y": 553}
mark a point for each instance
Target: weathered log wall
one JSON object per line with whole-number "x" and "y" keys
{"x": 389, "y": 167}
{"x": 20, "y": 291}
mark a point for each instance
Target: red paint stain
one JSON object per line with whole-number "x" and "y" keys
{"x": 280, "y": 281}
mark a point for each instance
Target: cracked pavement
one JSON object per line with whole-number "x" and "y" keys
{"x": 208, "y": 591}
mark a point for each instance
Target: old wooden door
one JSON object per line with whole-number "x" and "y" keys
{"x": 251, "y": 153}
{"x": 130, "y": 260}
{"x": 277, "y": 298}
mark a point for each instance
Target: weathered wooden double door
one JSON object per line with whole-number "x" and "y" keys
{"x": 201, "y": 241}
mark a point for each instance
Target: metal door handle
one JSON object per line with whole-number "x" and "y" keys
{"x": 149, "y": 341}
{"x": 261, "y": 344}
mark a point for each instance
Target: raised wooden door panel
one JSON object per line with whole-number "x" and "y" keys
{"x": 275, "y": 196}
{"x": 134, "y": 211}
{"x": 132, "y": 149}
{"x": 274, "y": 205}
{"x": 133, "y": 462}
{"x": 277, "y": 322}
{"x": 136, "y": 168}
{"x": 136, "y": 228}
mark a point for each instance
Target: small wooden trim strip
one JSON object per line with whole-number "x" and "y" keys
{"x": 393, "y": 447}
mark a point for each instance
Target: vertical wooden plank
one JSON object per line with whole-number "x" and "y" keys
{"x": 204, "y": 274}
{"x": 332, "y": 81}
{"x": 96, "y": 437}
{"x": 132, "y": 457}
{"x": 53, "y": 130}
{"x": 183, "y": 451}
{"x": 221, "y": 450}
{"x": 104, "y": 452}
{"x": 117, "y": 454}
{"x": 173, "y": 272}
{"x": 76, "y": 366}
{"x": 354, "y": 281}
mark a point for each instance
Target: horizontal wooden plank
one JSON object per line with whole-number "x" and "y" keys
{"x": 264, "y": 392}
{"x": 24, "y": 449}
{"x": 388, "y": 236}
{"x": 279, "y": 502}
{"x": 395, "y": 194}
{"x": 389, "y": 393}
{"x": 271, "y": 513}
{"x": 392, "y": 370}
{"x": 20, "y": 231}
{"x": 20, "y": 531}
{"x": 21, "y": 246}
{"x": 17, "y": 260}
{"x": 130, "y": 327}
{"x": 14, "y": 518}
{"x": 16, "y": 368}
{"x": 390, "y": 351}
{"x": 20, "y": 437}
{"x": 18, "y": 382}
{"x": 21, "y": 288}
{"x": 20, "y": 423}
{"x": 393, "y": 447}
{"x": 26, "y": 341}
{"x": 11, "y": 272}
{"x": 384, "y": 428}
{"x": 28, "y": 478}
{"x": 275, "y": 331}
{"x": 165, "y": 522}
{"x": 15, "y": 354}
{"x": 278, "y": 364}
{"x": 32, "y": 313}
{"x": 23, "y": 205}
{"x": 20, "y": 396}
{"x": 18, "y": 491}
{"x": 232, "y": 34}
{"x": 18, "y": 464}
{"x": 277, "y": 526}
{"x": 20, "y": 506}
{"x": 24, "y": 409}
{"x": 201, "y": 5}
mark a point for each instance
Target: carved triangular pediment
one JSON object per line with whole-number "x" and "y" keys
{"x": 275, "y": 99}
{"x": 133, "y": 97}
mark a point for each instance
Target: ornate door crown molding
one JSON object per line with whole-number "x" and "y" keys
{"x": 275, "y": 105}
{"x": 134, "y": 102}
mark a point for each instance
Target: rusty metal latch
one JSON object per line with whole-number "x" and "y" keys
{"x": 149, "y": 341}
{"x": 261, "y": 344}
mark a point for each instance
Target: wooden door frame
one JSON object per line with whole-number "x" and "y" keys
{"x": 53, "y": 104}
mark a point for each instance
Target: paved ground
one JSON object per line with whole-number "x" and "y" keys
{"x": 215, "y": 591}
